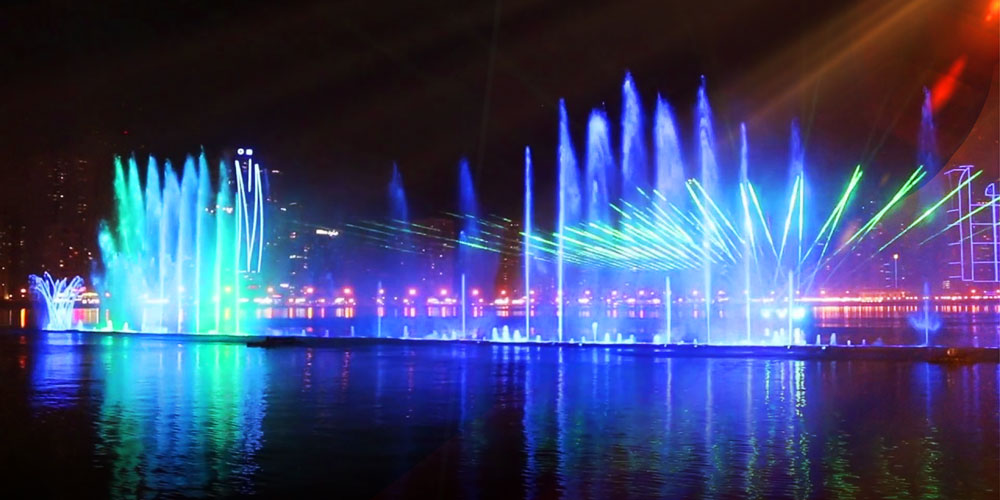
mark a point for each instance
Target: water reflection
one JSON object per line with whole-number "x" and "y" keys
{"x": 203, "y": 419}
{"x": 186, "y": 418}
{"x": 181, "y": 418}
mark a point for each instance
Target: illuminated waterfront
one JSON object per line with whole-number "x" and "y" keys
{"x": 501, "y": 250}
{"x": 962, "y": 323}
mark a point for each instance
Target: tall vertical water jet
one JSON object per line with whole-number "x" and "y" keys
{"x": 796, "y": 172}
{"x": 791, "y": 304}
{"x": 927, "y": 154}
{"x": 225, "y": 267}
{"x": 633, "y": 157}
{"x": 468, "y": 235}
{"x": 474, "y": 260}
{"x": 397, "y": 197}
{"x": 600, "y": 164}
{"x": 527, "y": 241}
{"x": 669, "y": 172}
{"x": 747, "y": 226}
{"x": 709, "y": 180}
{"x": 709, "y": 170}
{"x": 669, "y": 166}
{"x": 203, "y": 257}
{"x": 168, "y": 230}
{"x": 155, "y": 236}
{"x": 568, "y": 209}
{"x": 463, "y": 305}
{"x": 598, "y": 175}
{"x": 399, "y": 214}
{"x": 668, "y": 301}
{"x": 186, "y": 244}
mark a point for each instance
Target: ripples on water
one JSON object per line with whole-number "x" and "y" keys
{"x": 93, "y": 415}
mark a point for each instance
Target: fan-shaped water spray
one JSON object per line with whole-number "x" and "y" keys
{"x": 58, "y": 298}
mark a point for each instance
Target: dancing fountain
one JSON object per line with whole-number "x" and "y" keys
{"x": 170, "y": 253}
{"x": 653, "y": 242}
{"x": 711, "y": 258}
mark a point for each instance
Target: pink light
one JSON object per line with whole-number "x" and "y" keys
{"x": 348, "y": 291}
{"x": 503, "y": 292}
{"x": 475, "y": 292}
{"x": 381, "y": 291}
{"x": 444, "y": 291}
{"x": 412, "y": 292}
{"x": 310, "y": 289}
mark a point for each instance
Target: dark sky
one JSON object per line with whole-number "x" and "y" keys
{"x": 333, "y": 92}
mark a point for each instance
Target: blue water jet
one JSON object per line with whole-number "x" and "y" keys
{"x": 475, "y": 261}
{"x": 709, "y": 173}
{"x": 398, "y": 208}
{"x": 569, "y": 201}
{"x": 669, "y": 165}
{"x": 600, "y": 166}
{"x": 633, "y": 156}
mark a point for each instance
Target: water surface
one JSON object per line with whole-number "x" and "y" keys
{"x": 99, "y": 415}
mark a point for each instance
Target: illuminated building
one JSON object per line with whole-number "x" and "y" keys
{"x": 13, "y": 271}
{"x": 66, "y": 221}
{"x": 509, "y": 273}
{"x": 974, "y": 228}
{"x": 251, "y": 189}
{"x": 437, "y": 257}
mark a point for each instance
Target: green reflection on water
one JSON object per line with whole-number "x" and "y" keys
{"x": 181, "y": 418}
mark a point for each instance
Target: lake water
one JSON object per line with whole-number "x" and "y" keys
{"x": 94, "y": 415}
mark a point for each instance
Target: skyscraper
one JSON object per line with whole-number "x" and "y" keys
{"x": 251, "y": 193}
{"x": 974, "y": 228}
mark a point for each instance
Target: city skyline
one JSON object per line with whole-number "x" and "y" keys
{"x": 340, "y": 125}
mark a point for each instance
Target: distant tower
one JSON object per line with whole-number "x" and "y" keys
{"x": 251, "y": 187}
{"x": 975, "y": 230}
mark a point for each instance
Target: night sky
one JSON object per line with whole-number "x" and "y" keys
{"x": 332, "y": 93}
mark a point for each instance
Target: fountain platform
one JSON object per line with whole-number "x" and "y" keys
{"x": 904, "y": 353}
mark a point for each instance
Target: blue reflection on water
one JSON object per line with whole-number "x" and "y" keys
{"x": 202, "y": 419}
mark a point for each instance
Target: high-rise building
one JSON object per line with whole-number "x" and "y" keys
{"x": 437, "y": 254}
{"x": 66, "y": 222}
{"x": 511, "y": 270}
{"x": 13, "y": 270}
{"x": 251, "y": 194}
{"x": 974, "y": 228}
